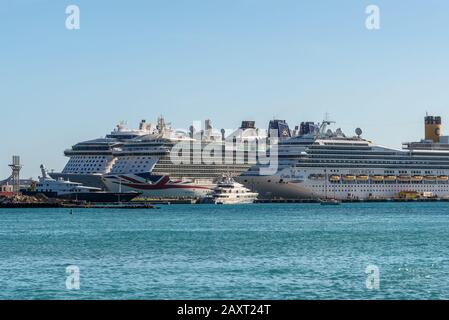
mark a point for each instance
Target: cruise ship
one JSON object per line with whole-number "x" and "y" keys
{"x": 90, "y": 160}
{"x": 160, "y": 162}
{"x": 321, "y": 163}
{"x": 177, "y": 164}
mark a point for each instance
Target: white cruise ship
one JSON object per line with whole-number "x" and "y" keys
{"x": 89, "y": 160}
{"x": 333, "y": 165}
{"x": 145, "y": 164}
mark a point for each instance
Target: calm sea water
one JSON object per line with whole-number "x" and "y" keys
{"x": 267, "y": 251}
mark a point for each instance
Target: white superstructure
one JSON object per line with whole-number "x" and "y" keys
{"x": 89, "y": 160}
{"x": 228, "y": 191}
{"x": 60, "y": 187}
{"x": 343, "y": 167}
{"x": 147, "y": 164}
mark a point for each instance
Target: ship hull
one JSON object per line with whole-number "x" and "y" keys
{"x": 365, "y": 191}
{"x": 93, "y": 197}
{"x": 235, "y": 201}
{"x": 301, "y": 187}
{"x": 274, "y": 187}
{"x": 88, "y": 180}
{"x": 158, "y": 187}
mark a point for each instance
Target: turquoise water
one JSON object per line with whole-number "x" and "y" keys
{"x": 266, "y": 251}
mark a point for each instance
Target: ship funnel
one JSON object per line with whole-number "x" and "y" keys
{"x": 248, "y": 125}
{"x": 432, "y": 128}
{"x": 279, "y": 126}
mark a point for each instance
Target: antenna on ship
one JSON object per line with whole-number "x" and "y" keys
{"x": 121, "y": 126}
{"x": 327, "y": 118}
{"x": 324, "y": 124}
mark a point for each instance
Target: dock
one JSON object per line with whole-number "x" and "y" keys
{"x": 287, "y": 201}
{"x": 18, "y": 201}
{"x": 353, "y": 200}
{"x": 110, "y": 206}
{"x": 26, "y": 202}
{"x": 75, "y": 206}
{"x": 29, "y": 205}
{"x": 165, "y": 201}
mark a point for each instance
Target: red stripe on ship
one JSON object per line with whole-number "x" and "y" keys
{"x": 129, "y": 179}
{"x": 163, "y": 180}
{"x": 161, "y": 184}
{"x": 156, "y": 186}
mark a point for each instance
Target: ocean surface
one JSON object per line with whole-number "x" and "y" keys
{"x": 263, "y": 251}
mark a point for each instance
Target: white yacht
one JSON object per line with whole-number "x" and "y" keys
{"x": 334, "y": 165}
{"x": 60, "y": 188}
{"x": 228, "y": 191}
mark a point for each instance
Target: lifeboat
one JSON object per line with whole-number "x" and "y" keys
{"x": 404, "y": 178}
{"x": 349, "y": 178}
{"x": 334, "y": 178}
{"x": 417, "y": 178}
{"x": 390, "y": 178}
{"x": 430, "y": 178}
{"x": 377, "y": 178}
{"x": 443, "y": 178}
{"x": 362, "y": 178}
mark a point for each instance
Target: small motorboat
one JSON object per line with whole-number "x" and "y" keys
{"x": 330, "y": 202}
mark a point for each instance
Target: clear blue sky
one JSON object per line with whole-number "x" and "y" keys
{"x": 226, "y": 60}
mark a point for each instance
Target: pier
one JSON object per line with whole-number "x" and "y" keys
{"x": 353, "y": 200}
{"x": 111, "y": 206}
{"x": 19, "y": 201}
{"x": 75, "y": 206}
{"x": 167, "y": 201}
